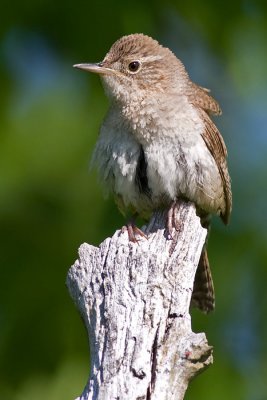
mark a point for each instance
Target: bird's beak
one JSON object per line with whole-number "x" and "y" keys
{"x": 95, "y": 68}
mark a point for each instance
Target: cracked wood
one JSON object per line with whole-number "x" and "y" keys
{"x": 134, "y": 299}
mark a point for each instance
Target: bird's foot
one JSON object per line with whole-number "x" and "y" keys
{"x": 133, "y": 231}
{"x": 172, "y": 223}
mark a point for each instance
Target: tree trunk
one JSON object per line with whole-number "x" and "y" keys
{"x": 134, "y": 299}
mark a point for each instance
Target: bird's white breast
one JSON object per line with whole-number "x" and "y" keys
{"x": 116, "y": 155}
{"x": 178, "y": 160}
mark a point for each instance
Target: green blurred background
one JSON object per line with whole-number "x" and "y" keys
{"x": 50, "y": 203}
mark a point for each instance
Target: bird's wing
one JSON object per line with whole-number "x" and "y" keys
{"x": 217, "y": 148}
{"x": 201, "y": 98}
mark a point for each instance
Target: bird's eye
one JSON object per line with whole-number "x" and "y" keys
{"x": 134, "y": 66}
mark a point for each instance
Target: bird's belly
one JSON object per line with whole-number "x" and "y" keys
{"x": 174, "y": 168}
{"x": 117, "y": 156}
{"x": 185, "y": 170}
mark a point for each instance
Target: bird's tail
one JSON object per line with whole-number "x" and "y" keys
{"x": 203, "y": 296}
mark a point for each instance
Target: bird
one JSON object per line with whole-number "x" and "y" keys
{"x": 158, "y": 144}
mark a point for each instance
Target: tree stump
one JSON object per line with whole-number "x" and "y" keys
{"x": 134, "y": 299}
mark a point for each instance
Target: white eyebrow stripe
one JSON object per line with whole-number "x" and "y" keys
{"x": 151, "y": 58}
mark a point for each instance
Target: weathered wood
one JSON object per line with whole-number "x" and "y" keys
{"x": 134, "y": 299}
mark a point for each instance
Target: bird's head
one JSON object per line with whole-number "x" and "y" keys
{"x": 136, "y": 67}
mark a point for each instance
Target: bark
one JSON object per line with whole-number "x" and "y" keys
{"x": 134, "y": 299}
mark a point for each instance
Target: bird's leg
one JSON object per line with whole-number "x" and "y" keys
{"x": 133, "y": 230}
{"x": 171, "y": 219}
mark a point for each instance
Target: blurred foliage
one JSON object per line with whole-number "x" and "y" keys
{"x": 50, "y": 203}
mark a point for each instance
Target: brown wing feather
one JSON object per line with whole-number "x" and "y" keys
{"x": 217, "y": 148}
{"x": 201, "y": 98}
{"x": 206, "y": 105}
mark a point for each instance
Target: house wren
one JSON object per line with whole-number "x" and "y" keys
{"x": 158, "y": 143}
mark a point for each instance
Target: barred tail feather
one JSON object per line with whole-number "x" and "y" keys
{"x": 203, "y": 296}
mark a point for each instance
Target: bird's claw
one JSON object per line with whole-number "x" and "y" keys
{"x": 171, "y": 220}
{"x": 133, "y": 232}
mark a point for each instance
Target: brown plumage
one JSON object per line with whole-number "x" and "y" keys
{"x": 158, "y": 143}
{"x": 203, "y": 296}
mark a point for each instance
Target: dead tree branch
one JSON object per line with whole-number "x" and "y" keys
{"x": 134, "y": 299}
